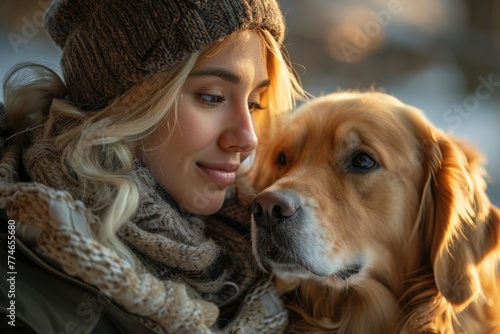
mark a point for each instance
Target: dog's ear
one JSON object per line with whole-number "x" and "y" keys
{"x": 463, "y": 227}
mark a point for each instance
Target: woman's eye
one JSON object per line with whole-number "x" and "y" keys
{"x": 210, "y": 100}
{"x": 362, "y": 162}
{"x": 252, "y": 106}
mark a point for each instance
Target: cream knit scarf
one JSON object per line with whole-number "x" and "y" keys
{"x": 175, "y": 250}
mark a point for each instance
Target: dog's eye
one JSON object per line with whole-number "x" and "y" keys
{"x": 281, "y": 160}
{"x": 362, "y": 162}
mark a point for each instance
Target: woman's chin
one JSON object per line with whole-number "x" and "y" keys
{"x": 208, "y": 207}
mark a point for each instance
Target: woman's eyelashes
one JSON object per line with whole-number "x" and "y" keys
{"x": 253, "y": 106}
{"x": 212, "y": 101}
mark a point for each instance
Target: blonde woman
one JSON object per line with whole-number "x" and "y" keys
{"x": 114, "y": 180}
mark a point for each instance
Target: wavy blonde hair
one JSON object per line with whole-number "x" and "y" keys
{"x": 98, "y": 153}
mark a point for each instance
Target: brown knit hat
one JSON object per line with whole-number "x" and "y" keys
{"x": 109, "y": 45}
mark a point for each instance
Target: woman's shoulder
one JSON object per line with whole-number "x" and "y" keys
{"x": 36, "y": 297}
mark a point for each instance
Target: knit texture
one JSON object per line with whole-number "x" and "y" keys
{"x": 109, "y": 45}
{"x": 192, "y": 274}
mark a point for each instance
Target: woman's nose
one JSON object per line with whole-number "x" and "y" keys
{"x": 240, "y": 135}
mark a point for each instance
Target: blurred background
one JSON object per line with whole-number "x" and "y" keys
{"x": 442, "y": 56}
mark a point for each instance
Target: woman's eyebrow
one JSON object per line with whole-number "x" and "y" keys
{"x": 226, "y": 76}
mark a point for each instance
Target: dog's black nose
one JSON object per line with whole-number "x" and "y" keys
{"x": 274, "y": 206}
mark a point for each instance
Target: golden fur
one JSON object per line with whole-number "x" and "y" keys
{"x": 376, "y": 221}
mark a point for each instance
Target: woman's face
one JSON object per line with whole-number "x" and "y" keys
{"x": 213, "y": 133}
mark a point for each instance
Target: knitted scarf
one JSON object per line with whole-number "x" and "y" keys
{"x": 191, "y": 270}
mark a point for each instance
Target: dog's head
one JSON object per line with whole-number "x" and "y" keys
{"x": 356, "y": 181}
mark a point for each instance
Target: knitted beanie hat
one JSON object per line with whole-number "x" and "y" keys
{"x": 109, "y": 45}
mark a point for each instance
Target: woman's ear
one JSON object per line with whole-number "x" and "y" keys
{"x": 465, "y": 225}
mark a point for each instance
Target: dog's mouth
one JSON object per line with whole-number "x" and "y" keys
{"x": 286, "y": 253}
{"x": 284, "y": 264}
{"x": 301, "y": 271}
{"x": 349, "y": 271}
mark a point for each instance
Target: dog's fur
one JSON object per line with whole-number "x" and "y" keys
{"x": 377, "y": 221}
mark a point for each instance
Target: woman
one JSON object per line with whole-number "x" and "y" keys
{"x": 112, "y": 182}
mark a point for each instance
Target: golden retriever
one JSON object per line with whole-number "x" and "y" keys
{"x": 377, "y": 221}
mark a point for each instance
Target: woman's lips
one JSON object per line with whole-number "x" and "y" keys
{"x": 221, "y": 174}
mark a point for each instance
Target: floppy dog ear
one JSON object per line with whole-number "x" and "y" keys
{"x": 465, "y": 226}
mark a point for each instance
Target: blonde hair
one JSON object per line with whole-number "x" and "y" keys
{"x": 99, "y": 152}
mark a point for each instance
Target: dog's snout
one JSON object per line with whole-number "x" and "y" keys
{"x": 274, "y": 206}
